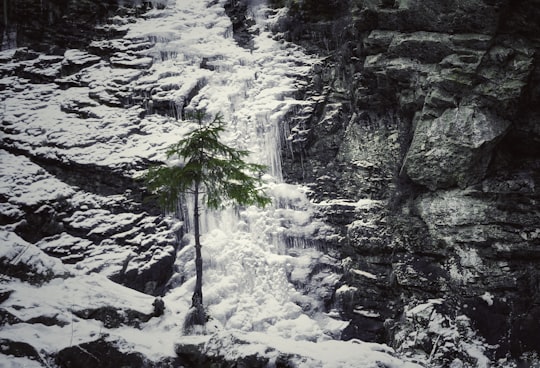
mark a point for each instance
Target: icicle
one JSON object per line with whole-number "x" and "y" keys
{"x": 249, "y": 253}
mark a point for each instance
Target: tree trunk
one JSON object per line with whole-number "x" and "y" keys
{"x": 197, "y": 299}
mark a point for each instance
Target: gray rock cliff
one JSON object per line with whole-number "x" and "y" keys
{"x": 427, "y": 124}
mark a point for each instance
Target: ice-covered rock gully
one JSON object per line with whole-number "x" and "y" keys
{"x": 119, "y": 113}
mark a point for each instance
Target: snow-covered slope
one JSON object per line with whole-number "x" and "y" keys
{"x": 111, "y": 110}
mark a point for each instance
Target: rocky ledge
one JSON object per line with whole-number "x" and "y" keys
{"x": 75, "y": 220}
{"x": 68, "y": 177}
{"x": 79, "y": 122}
{"x": 426, "y": 132}
{"x": 418, "y": 142}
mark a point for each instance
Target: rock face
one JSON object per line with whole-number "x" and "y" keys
{"x": 77, "y": 127}
{"x": 78, "y": 206}
{"x": 426, "y": 125}
{"x": 419, "y": 142}
{"x": 48, "y": 25}
{"x": 454, "y": 149}
{"x": 63, "y": 200}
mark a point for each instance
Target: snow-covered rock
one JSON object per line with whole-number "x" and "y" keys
{"x": 79, "y": 128}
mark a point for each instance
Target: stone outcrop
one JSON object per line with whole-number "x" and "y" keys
{"x": 49, "y": 25}
{"x": 237, "y": 11}
{"x": 454, "y": 149}
{"x": 76, "y": 206}
{"x": 99, "y": 353}
{"x": 60, "y": 207}
{"x": 419, "y": 142}
{"x": 426, "y": 123}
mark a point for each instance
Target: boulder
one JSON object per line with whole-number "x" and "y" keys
{"x": 454, "y": 149}
{"x": 114, "y": 317}
{"x": 209, "y": 355}
{"x": 99, "y": 353}
{"x": 19, "y": 349}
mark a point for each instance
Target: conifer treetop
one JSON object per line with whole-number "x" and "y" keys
{"x": 219, "y": 172}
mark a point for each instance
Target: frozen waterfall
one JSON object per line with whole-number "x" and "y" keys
{"x": 118, "y": 105}
{"x": 249, "y": 271}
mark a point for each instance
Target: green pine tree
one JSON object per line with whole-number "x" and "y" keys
{"x": 214, "y": 174}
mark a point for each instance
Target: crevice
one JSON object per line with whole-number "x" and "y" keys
{"x": 242, "y": 23}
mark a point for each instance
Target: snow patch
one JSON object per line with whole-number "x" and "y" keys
{"x": 302, "y": 354}
{"x": 15, "y": 251}
{"x": 488, "y": 298}
{"x": 364, "y": 274}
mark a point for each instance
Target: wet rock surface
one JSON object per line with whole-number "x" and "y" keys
{"x": 428, "y": 112}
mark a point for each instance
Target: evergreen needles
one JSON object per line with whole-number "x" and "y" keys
{"x": 211, "y": 171}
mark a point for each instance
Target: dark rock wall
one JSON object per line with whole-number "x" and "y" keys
{"x": 52, "y": 25}
{"x": 427, "y": 122}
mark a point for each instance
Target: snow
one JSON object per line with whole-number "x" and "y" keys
{"x": 28, "y": 184}
{"x": 344, "y": 289}
{"x": 79, "y": 57}
{"x": 59, "y": 296}
{"x": 364, "y": 274}
{"x": 488, "y": 298}
{"x": 16, "y": 250}
{"x": 366, "y": 313}
{"x": 424, "y": 308}
{"x": 158, "y": 337}
{"x": 470, "y": 264}
{"x": 99, "y": 221}
{"x": 304, "y": 354}
{"x": 477, "y": 352}
{"x": 21, "y": 362}
{"x": 259, "y": 284}
{"x": 59, "y": 299}
{"x": 363, "y": 203}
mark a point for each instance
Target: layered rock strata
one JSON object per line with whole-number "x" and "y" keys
{"x": 423, "y": 151}
{"x": 68, "y": 179}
